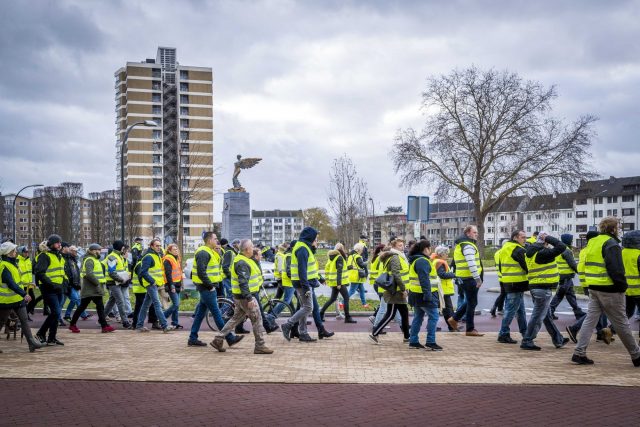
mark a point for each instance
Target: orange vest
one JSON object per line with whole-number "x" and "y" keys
{"x": 176, "y": 269}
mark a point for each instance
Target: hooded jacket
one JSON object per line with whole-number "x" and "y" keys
{"x": 423, "y": 268}
{"x": 72, "y": 270}
{"x": 340, "y": 264}
{"x": 394, "y": 267}
{"x": 307, "y": 235}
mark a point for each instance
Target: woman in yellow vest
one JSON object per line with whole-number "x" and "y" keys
{"x": 439, "y": 258}
{"x": 631, "y": 260}
{"x": 172, "y": 264}
{"x": 357, "y": 273}
{"x": 337, "y": 277}
{"x": 12, "y": 295}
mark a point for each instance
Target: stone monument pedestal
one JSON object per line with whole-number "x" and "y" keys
{"x": 236, "y": 216}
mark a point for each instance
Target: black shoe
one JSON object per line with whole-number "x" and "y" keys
{"x": 241, "y": 330}
{"x": 286, "y": 331}
{"x": 130, "y": 316}
{"x": 416, "y": 345}
{"x": 493, "y": 312}
{"x": 572, "y": 334}
{"x": 178, "y": 327}
{"x": 349, "y": 320}
{"x": 156, "y": 325}
{"x": 61, "y": 322}
{"x": 554, "y": 317}
{"x": 583, "y": 360}
{"x": 54, "y": 341}
{"x": 373, "y": 338}
{"x": 235, "y": 340}
{"x": 432, "y": 347}
{"x": 272, "y": 329}
{"x": 67, "y": 318}
{"x": 506, "y": 339}
{"x": 636, "y": 362}
{"x": 196, "y": 343}
{"x": 438, "y": 329}
{"x": 530, "y": 347}
{"x": 323, "y": 333}
{"x": 306, "y": 338}
{"x": 34, "y": 345}
{"x": 564, "y": 342}
{"x": 40, "y": 338}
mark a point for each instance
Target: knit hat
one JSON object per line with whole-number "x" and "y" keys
{"x": 118, "y": 245}
{"x": 235, "y": 242}
{"x": 567, "y": 239}
{"x": 95, "y": 247}
{"x": 64, "y": 245}
{"x": 223, "y": 242}
{"x": 53, "y": 239}
{"x": 23, "y": 249}
{"x": 7, "y": 247}
{"x": 591, "y": 234}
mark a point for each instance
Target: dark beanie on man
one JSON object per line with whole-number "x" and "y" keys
{"x": 567, "y": 239}
{"x": 53, "y": 239}
{"x": 118, "y": 245}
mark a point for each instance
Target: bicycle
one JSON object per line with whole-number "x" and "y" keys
{"x": 227, "y": 308}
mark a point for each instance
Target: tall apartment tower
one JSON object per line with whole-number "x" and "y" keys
{"x": 171, "y": 165}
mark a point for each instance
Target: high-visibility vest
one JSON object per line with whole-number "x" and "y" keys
{"x": 580, "y": 267}
{"x": 7, "y": 296}
{"x": 278, "y": 265}
{"x": 55, "y": 271}
{"x": 254, "y": 279}
{"x": 563, "y": 266}
{"x": 595, "y": 271}
{"x": 214, "y": 268}
{"x": 630, "y": 260}
{"x": 137, "y": 246}
{"x": 121, "y": 265}
{"x": 542, "y": 274}
{"x": 312, "y": 265}
{"x": 532, "y": 239}
{"x": 331, "y": 272}
{"x": 374, "y": 269}
{"x": 447, "y": 284}
{"x": 404, "y": 269}
{"x": 511, "y": 271}
{"x": 496, "y": 259}
{"x": 156, "y": 271}
{"x": 176, "y": 269}
{"x": 137, "y": 287}
{"x": 98, "y": 269}
{"x": 352, "y": 264}
{"x": 26, "y": 271}
{"x": 414, "y": 278}
{"x": 462, "y": 267}
{"x": 286, "y": 280}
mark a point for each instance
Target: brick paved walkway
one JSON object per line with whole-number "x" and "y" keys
{"x": 83, "y": 403}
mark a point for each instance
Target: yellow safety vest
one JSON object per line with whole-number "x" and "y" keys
{"x": 278, "y": 265}
{"x": 55, "y": 271}
{"x": 374, "y": 269}
{"x": 563, "y": 266}
{"x": 630, "y": 259}
{"x": 254, "y": 279}
{"x": 542, "y": 274}
{"x": 137, "y": 246}
{"x": 331, "y": 272}
{"x": 120, "y": 265}
{"x": 462, "y": 267}
{"x": 447, "y": 284}
{"x": 595, "y": 271}
{"x": 156, "y": 271}
{"x": 414, "y": 279}
{"x": 98, "y": 269}
{"x": 312, "y": 265}
{"x": 286, "y": 280}
{"x": 26, "y": 271}
{"x": 496, "y": 260}
{"x": 404, "y": 269}
{"x": 7, "y": 296}
{"x": 352, "y": 267}
{"x": 214, "y": 267}
{"x": 580, "y": 266}
{"x": 511, "y": 271}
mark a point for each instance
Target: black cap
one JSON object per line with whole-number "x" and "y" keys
{"x": 223, "y": 242}
{"x": 53, "y": 239}
{"x": 118, "y": 245}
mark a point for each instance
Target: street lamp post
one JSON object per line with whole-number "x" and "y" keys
{"x": 15, "y": 213}
{"x": 148, "y": 123}
{"x": 373, "y": 223}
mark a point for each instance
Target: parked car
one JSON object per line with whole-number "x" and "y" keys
{"x": 267, "y": 274}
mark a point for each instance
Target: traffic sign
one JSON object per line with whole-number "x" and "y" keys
{"x": 418, "y": 208}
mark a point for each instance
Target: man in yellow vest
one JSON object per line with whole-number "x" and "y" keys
{"x": 543, "y": 276}
{"x": 513, "y": 272}
{"x": 567, "y": 267}
{"x": 152, "y": 277}
{"x": 498, "y": 304}
{"x": 245, "y": 281}
{"x": 631, "y": 259}
{"x": 117, "y": 274}
{"x": 531, "y": 240}
{"x": 26, "y": 272}
{"x": 50, "y": 274}
{"x": 604, "y": 274}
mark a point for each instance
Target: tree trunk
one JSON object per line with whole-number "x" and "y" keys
{"x": 480, "y": 225}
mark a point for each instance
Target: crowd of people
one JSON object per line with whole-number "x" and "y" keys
{"x": 416, "y": 276}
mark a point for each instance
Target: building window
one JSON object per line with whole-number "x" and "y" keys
{"x": 21, "y": 203}
{"x": 628, "y": 212}
{"x": 184, "y": 99}
{"x": 184, "y": 87}
{"x": 156, "y": 73}
{"x": 156, "y": 109}
{"x": 157, "y": 195}
{"x": 184, "y": 135}
{"x": 155, "y": 85}
{"x": 581, "y": 228}
{"x": 630, "y": 198}
{"x": 612, "y": 199}
{"x": 513, "y": 217}
{"x": 581, "y": 201}
{"x": 555, "y": 215}
{"x": 24, "y": 220}
{"x": 157, "y": 134}
{"x": 490, "y": 218}
{"x": 503, "y": 217}
{"x": 184, "y": 111}
{"x": 569, "y": 227}
{"x": 597, "y": 214}
{"x": 22, "y": 211}
{"x": 528, "y": 217}
{"x": 156, "y": 97}
{"x": 184, "y": 123}
{"x": 538, "y": 217}
{"x": 490, "y": 229}
{"x": 554, "y": 227}
{"x": 538, "y": 228}
{"x": 612, "y": 212}
{"x": 157, "y": 159}
{"x": 581, "y": 214}
{"x": 628, "y": 226}
{"x": 184, "y": 75}
{"x": 157, "y": 170}
{"x": 569, "y": 214}
{"x": 157, "y": 183}
{"x": 157, "y": 219}
{"x": 598, "y": 200}
{"x": 184, "y": 147}
{"x": 528, "y": 229}
{"x": 503, "y": 229}
{"x": 157, "y": 207}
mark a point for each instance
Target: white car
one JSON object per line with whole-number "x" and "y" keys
{"x": 267, "y": 274}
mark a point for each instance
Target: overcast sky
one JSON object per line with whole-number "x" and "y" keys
{"x": 300, "y": 83}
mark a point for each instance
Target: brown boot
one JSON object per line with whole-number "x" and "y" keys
{"x": 473, "y": 333}
{"x": 453, "y": 323}
{"x": 262, "y": 350}
{"x": 218, "y": 344}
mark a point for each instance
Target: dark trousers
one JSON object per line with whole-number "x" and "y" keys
{"x": 53, "y": 301}
{"x": 447, "y": 310}
{"x": 392, "y": 309}
{"x": 334, "y": 296}
{"x": 84, "y": 303}
{"x": 499, "y": 302}
{"x": 279, "y": 290}
{"x": 565, "y": 290}
{"x": 468, "y": 308}
{"x": 136, "y": 310}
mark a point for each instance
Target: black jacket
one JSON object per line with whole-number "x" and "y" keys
{"x": 72, "y": 270}
{"x": 201, "y": 261}
{"x": 40, "y": 269}
{"x": 545, "y": 256}
{"x": 612, "y": 254}
{"x": 568, "y": 257}
{"x": 227, "y": 260}
{"x": 307, "y": 235}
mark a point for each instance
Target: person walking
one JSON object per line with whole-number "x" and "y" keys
{"x": 498, "y": 304}
{"x": 567, "y": 268}
{"x": 278, "y": 268}
{"x": 172, "y": 264}
{"x": 139, "y": 292}
{"x": 26, "y": 274}
{"x": 152, "y": 277}
{"x": 117, "y": 274}
{"x": 287, "y": 286}
{"x": 631, "y": 260}
{"x": 245, "y": 284}
{"x": 364, "y": 241}
{"x": 126, "y": 285}
{"x": 73, "y": 273}
{"x": 208, "y": 279}
{"x": 94, "y": 279}
{"x": 543, "y": 276}
{"x": 337, "y": 277}
{"x": 357, "y": 269}
{"x": 13, "y": 297}
{"x": 394, "y": 262}
{"x": 468, "y": 267}
{"x": 423, "y": 295}
{"x": 446, "y": 276}
{"x": 513, "y": 268}
{"x": 49, "y": 271}
{"x": 604, "y": 274}
{"x": 303, "y": 271}
{"x": 136, "y": 251}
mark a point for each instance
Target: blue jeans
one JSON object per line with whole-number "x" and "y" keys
{"x": 151, "y": 298}
{"x": 53, "y": 301}
{"x": 432, "y": 322}
{"x": 74, "y": 301}
{"x": 287, "y": 297}
{"x": 208, "y": 302}
{"x": 468, "y": 308}
{"x": 513, "y": 306}
{"x": 175, "y": 307}
{"x": 226, "y": 289}
{"x": 360, "y": 288}
{"x": 541, "y": 314}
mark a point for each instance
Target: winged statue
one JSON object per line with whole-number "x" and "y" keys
{"x": 247, "y": 163}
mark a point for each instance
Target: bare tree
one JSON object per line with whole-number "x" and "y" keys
{"x": 347, "y": 195}
{"x": 491, "y": 135}
{"x": 132, "y": 207}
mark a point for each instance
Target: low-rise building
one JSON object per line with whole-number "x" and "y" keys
{"x": 275, "y": 227}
